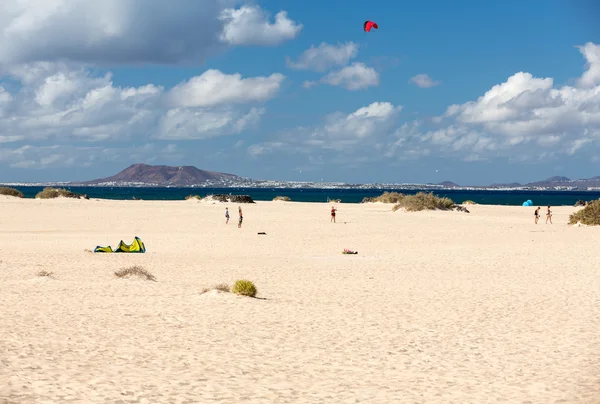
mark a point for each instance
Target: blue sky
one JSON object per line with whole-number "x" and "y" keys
{"x": 473, "y": 92}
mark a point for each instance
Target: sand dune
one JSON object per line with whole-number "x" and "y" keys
{"x": 437, "y": 307}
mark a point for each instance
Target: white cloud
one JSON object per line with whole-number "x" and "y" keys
{"x": 357, "y": 76}
{"x": 56, "y": 102}
{"x": 340, "y": 132}
{"x": 424, "y": 81}
{"x": 523, "y": 119}
{"x": 325, "y": 56}
{"x": 61, "y": 156}
{"x": 132, "y": 31}
{"x": 214, "y": 87}
{"x": 249, "y": 25}
{"x": 591, "y": 77}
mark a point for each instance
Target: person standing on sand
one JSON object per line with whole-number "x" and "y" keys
{"x": 537, "y": 214}
{"x": 548, "y": 215}
{"x": 333, "y": 210}
{"x": 241, "y": 217}
{"x": 226, "y": 215}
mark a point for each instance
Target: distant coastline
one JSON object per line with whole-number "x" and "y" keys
{"x": 160, "y": 176}
{"x": 321, "y": 195}
{"x": 249, "y": 184}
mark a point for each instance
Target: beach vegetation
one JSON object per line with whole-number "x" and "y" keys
{"x": 386, "y": 197}
{"x": 221, "y": 287}
{"x": 282, "y": 198}
{"x": 11, "y": 192}
{"x": 51, "y": 193}
{"x": 589, "y": 215}
{"x": 469, "y": 202}
{"x": 424, "y": 201}
{"x": 135, "y": 270}
{"x": 44, "y": 273}
{"x": 244, "y": 288}
{"x": 198, "y": 197}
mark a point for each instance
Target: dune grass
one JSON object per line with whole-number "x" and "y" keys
{"x": 424, "y": 201}
{"x": 386, "y": 197}
{"x": 244, "y": 288}
{"x": 135, "y": 270}
{"x": 282, "y": 198}
{"x": 198, "y": 197}
{"x": 589, "y": 215}
{"x": 222, "y": 287}
{"x": 44, "y": 273}
{"x": 51, "y": 193}
{"x": 469, "y": 202}
{"x": 11, "y": 192}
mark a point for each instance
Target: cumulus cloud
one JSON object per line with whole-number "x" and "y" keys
{"x": 59, "y": 103}
{"x": 324, "y": 56}
{"x": 61, "y": 156}
{"x": 132, "y": 31}
{"x": 424, "y": 81}
{"x": 357, "y": 76}
{"x": 249, "y": 25}
{"x": 214, "y": 87}
{"x": 525, "y": 118}
{"x": 339, "y": 132}
{"x": 591, "y": 77}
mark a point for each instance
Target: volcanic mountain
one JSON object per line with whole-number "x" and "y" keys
{"x": 164, "y": 175}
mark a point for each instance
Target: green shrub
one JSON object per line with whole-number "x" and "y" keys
{"x": 469, "y": 202}
{"x": 282, "y": 198}
{"x": 244, "y": 288}
{"x": 51, "y": 193}
{"x": 198, "y": 197}
{"x": 424, "y": 201}
{"x": 386, "y": 197}
{"x": 590, "y": 215}
{"x": 11, "y": 192}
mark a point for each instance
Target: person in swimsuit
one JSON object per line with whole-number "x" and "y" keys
{"x": 548, "y": 215}
{"x": 241, "y": 217}
{"x": 333, "y": 209}
{"x": 537, "y": 214}
{"x": 226, "y": 215}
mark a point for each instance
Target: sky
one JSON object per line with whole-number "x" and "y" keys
{"x": 468, "y": 91}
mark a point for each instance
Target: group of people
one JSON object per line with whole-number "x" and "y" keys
{"x": 241, "y": 216}
{"x": 548, "y": 215}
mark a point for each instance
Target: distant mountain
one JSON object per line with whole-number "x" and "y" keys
{"x": 510, "y": 185}
{"x": 558, "y": 181}
{"x": 164, "y": 175}
{"x": 448, "y": 184}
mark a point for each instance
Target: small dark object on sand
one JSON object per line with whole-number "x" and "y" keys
{"x": 262, "y": 232}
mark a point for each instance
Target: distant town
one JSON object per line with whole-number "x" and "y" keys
{"x": 142, "y": 175}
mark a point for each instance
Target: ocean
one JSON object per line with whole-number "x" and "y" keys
{"x": 539, "y": 198}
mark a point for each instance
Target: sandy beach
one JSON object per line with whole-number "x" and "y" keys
{"x": 437, "y": 307}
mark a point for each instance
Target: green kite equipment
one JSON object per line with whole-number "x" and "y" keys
{"x": 136, "y": 247}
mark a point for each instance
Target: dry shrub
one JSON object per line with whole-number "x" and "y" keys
{"x": 198, "y": 197}
{"x": 51, "y": 193}
{"x": 469, "y": 202}
{"x": 282, "y": 198}
{"x": 424, "y": 201}
{"x": 386, "y": 197}
{"x": 11, "y": 192}
{"x": 222, "y": 287}
{"x": 590, "y": 215}
{"x": 244, "y": 288}
{"x": 135, "y": 270}
{"x": 45, "y": 273}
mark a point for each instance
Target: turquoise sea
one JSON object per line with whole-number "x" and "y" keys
{"x": 539, "y": 198}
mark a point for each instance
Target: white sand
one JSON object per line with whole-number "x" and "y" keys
{"x": 437, "y": 307}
